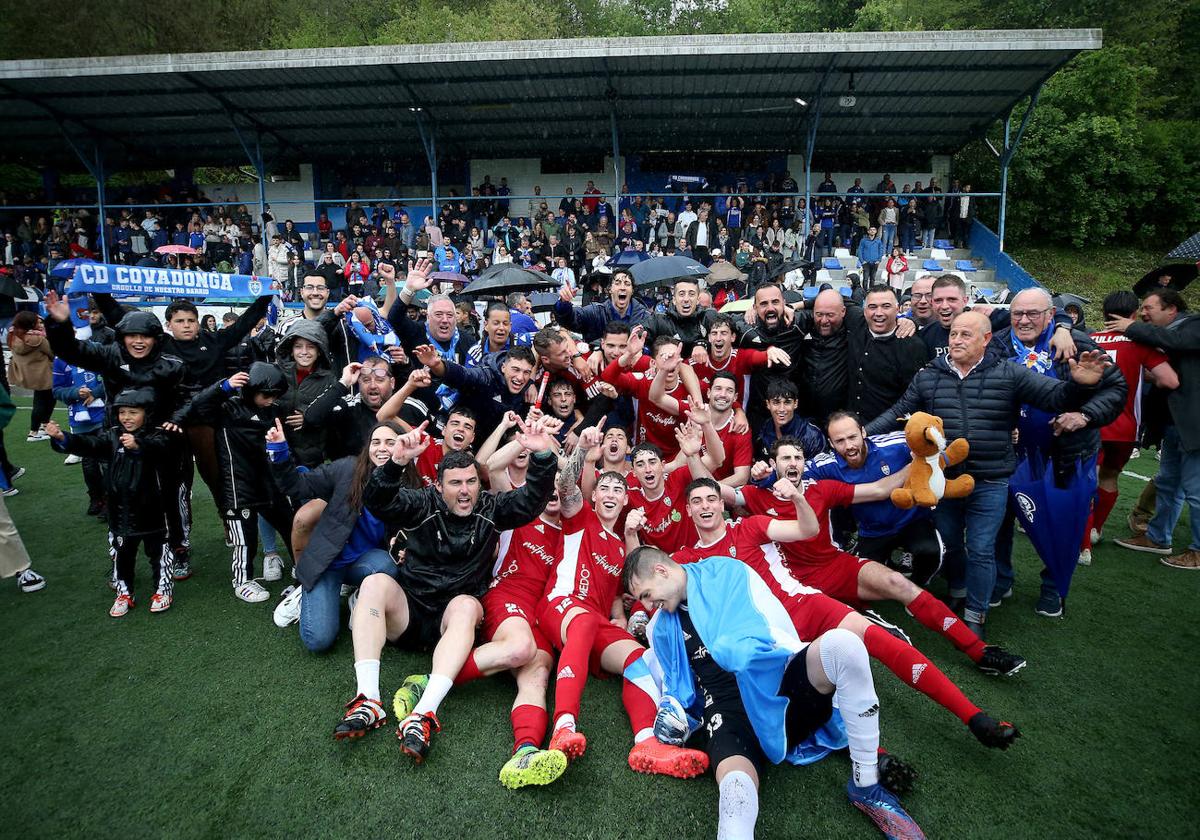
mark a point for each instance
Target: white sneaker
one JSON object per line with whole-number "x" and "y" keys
{"x": 272, "y": 567}
{"x": 72, "y": 459}
{"x": 287, "y": 611}
{"x": 352, "y": 602}
{"x": 1095, "y": 536}
{"x": 9, "y": 491}
{"x": 1085, "y": 557}
{"x": 30, "y": 581}
{"x": 34, "y": 437}
{"x": 251, "y": 592}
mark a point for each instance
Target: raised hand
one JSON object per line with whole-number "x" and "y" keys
{"x": 534, "y": 436}
{"x": 276, "y": 435}
{"x": 760, "y": 470}
{"x": 699, "y": 414}
{"x": 419, "y": 275}
{"x": 396, "y": 355}
{"x": 345, "y": 305}
{"x": 54, "y": 430}
{"x": 1090, "y": 367}
{"x": 239, "y": 380}
{"x": 785, "y": 490}
{"x": 58, "y": 308}
{"x": 350, "y": 374}
{"x": 408, "y": 447}
{"x": 566, "y": 293}
{"x": 690, "y": 438}
{"x": 387, "y": 272}
{"x": 607, "y": 389}
{"x": 699, "y": 355}
{"x": 593, "y": 435}
{"x": 426, "y": 355}
{"x": 635, "y": 520}
{"x": 420, "y": 378}
{"x": 637, "y": 343}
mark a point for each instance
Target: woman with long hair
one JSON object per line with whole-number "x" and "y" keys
{"x": 346, "y": 544}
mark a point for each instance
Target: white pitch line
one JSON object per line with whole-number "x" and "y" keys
{"x": 1132, "y": 474}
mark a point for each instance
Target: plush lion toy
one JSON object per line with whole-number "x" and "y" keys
{"x": 927, "y": 483}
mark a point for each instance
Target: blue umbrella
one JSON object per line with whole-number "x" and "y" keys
{"x": 1054, "y": 517}
{"x": 625, "y": 259}
{"x": 66, "y": 268}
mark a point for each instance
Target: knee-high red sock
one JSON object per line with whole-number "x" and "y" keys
{"x": 937, "y": 617}
{"x": 638, "y": 704}
{"x": 470, "y": 671}
{"x": 1105, "y": 499}
{"x": 916, "y": 671}
{"x": 573, "y": 664}
{"x": 528, "y": 725}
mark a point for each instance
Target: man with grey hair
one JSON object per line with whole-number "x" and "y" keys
{"x": 1066, "y": 439}
{"x": 921, "y": 299}
{"x": 521, "y": 311}
{"x": 440, "y": 331}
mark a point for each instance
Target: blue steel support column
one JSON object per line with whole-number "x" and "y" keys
{"x": 429, "y": 141}
{"x": 95, "y": 167}
{"x": 256, "y": 160}
{"x": 808, "y": 156}
{"x": 1010, "y": 149}
{"x": 616, "y": 149}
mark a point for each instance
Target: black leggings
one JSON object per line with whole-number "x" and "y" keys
{"x": 43, "y": 407}
{"x": 125, "y": 555}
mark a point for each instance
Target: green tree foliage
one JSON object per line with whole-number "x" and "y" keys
{"x": 1112, "y": 152}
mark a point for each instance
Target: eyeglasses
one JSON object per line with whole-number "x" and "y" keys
{"x": 379, "y": 373}
{"x": 1027, "y": 314}
{"x": 922, "y": 295}
{"x": 311, "y": 288}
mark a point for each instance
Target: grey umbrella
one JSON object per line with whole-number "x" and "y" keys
{"x": 509, "y": 277}
{"x": 658, "y": 271}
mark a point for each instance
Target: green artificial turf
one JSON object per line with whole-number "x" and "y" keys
{"x": 208, "y": 721}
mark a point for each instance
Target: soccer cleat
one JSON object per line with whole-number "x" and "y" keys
{"x": 1085, "y": 557}
{"x": 121, "y": 606}
{"x": 17, "y": 473}
{"x": 287, "y": 611}
{"x": 30, "y": 581}
{"x": 1143, "y": 543}
{"x": 71, "y": 460}
{"x": 161, "y": 602}
{"x": 1189, "y": 559}
{"x": 884, "y": 809}
{"x": 272, "y": 567}
{"x": 991, "y": 732}
{"x": 650, "y": 756}
{"x": 34, "y": 437}
{"x": 362, "y": 715}
{"x": 1095, "y": 537}
{"x": 999, "y": 662}
{"x": 895, "y": 774}
{"x": 409, "y": 694}
{"x": 416, "y": 734}
{"x": 1049, "y": 605}
{"x": 879, "y": 621}
{"x": 531, "y": 766}
{"x": 570, "y": 743}
{"x": 182, "y": 570}
{"x": 251, "y": 592}
{"x": 9, "y": 491}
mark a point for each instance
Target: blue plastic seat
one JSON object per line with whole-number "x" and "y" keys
{"x": 964, "y": 265}
{"x": 931, "y": 265}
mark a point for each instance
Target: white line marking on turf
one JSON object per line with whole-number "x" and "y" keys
{"x": 1132, "y": 474}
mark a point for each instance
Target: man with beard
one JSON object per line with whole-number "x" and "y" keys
{"x": 684, "y": 320}
{"x": 591, "y": 320}
{"x": 882, "y": 363}
{"x": 433, "y": 602}
{"x": 348, "y": 417}
{"x": 773, "y": 326}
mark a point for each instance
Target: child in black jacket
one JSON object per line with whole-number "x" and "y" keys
{"x": 136, "y": 497}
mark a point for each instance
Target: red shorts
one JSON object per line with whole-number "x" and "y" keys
{"x": 838, "y": 578}
{"x": 1115, "y": 454}
{"x": 500, "y": 605}
{"x": 815, "y": 614}
{"x": 550, "y": 621}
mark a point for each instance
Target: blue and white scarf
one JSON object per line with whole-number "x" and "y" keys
{"x": 445, "y": 394}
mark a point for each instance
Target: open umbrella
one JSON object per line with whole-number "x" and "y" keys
{"x": 543, "y": 301}
{"x": 1188, "y": 249}
{"x": 509, "y": 277}
{"x": 660, "y": 271}
{"x": 175, "y": 249}
{"x": 66, "y": 268}
{"x": 723, "y": 272}
{"x": 1054, "y": 517}
{"x": 625, "y": 259}
{"x": 1169, "y": 276}
{"x": 450, "y": 277}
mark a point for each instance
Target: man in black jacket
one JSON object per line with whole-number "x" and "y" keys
{"x": 774, "y": 326}
{"x": 1067, "y": 438}
{"x": 881, "y": 362}
{"x": 433, "y": 602}
{"x": 978, "y": 395}
{"x": 685, "y": 320}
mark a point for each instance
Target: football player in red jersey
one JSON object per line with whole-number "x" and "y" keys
{"x": 738, "y": 363}
{"x": 727, "y": 422}
{"x": 581, "y": 598}
{"x": 457, "y": 436}
{"x": 660, "y": 496}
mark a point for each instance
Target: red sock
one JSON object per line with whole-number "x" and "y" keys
{"x": 1105, "y": 499}
{"x": 528, "y": 725}
{"x": 470, "y": 671}
{"x": 916, "y": 671}
{"x": 937, "y": 617}
{"x": 638, "y": 704}
{"x": 573, "y": 664}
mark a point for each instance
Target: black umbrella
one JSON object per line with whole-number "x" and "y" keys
{"x": 1188, "y": 249}
{"x": 788, "y": 266}
{"x": 661, "y": 271}
{"x": 9, "y": 287}
{"x": 509, "y": 277}
{"x": 1175, "y": 276}
{"x": 543, "y": 301}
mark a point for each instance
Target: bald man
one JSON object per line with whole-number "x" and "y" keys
{"x": 977, "y": 393}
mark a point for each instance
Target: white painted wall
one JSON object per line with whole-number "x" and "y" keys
{"x": 524, "y": 174}
{"x": 277, "y": 193}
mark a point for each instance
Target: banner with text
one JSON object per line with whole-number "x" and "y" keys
{"x": 165, "y": 282}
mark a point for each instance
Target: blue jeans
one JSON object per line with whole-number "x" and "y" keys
{"x": 969, "y": 528}
{"x": 927, "y": 237}
{"x": 266, "y": 537}
{"x": 1178, "y": 481}
{"x": 320, "y": 607}
{"x": 889, "y": 237}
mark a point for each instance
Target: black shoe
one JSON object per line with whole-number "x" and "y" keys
{"x": 975, "y": 627}
{"x": 881, "y": 622}
{"x": 996, "y": 660}
{"x": 362, "y": 715}
{"x": 95, "y": 508}
{"x": 896, "y": 774}
{"x": 992, "y": 732}
{"x": 1049, "y": 605}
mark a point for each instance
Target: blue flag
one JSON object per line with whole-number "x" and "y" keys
{"x": 165, "y": 282}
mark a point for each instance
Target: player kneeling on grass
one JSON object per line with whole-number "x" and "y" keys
{"x": 136, "y": 515}
{"x": 581, "y": 615}
{"x": 433, "y": 602}
{"x": 735, "y": 673}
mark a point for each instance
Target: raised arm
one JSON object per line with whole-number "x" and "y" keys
{"x": 386, "y": 493}
{"x": 521, "y": 506}
{"x": 804, "y": 526}
{"x": 390, "y": 410}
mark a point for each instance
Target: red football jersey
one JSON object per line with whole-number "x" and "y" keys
{"x": 821, "y": 496}
{"x": 592, "y": 560}
{"x": 428, "y": 461}
{"x": 1132, "y": 359}
{"x": 667, "y": 524}
{"x": 525, "y": 557}
{"x": 741, "y": 363}
{"x": 654, "y": 425}
{"x": 739, "y": 450}
{"x": 746, "y": 540}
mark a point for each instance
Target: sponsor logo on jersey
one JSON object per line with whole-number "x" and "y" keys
{"x": 600, "y": 560}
